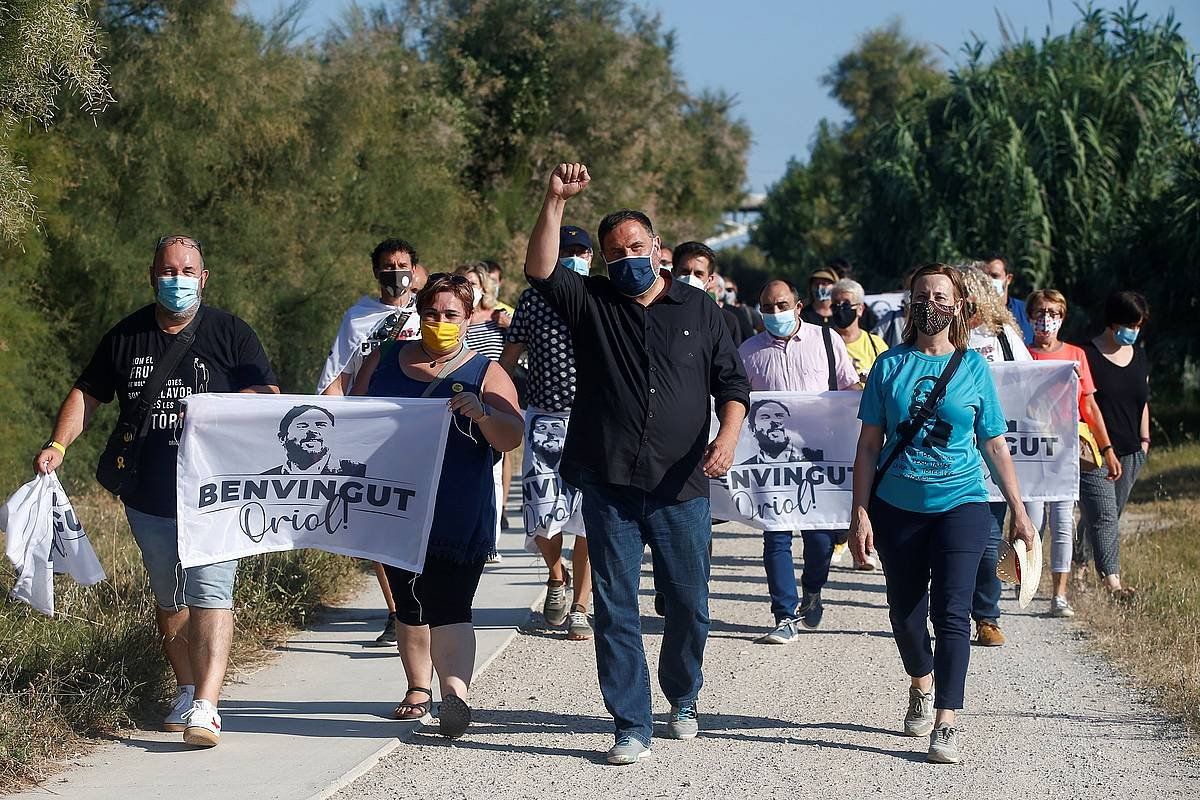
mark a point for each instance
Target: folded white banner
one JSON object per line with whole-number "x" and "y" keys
{"x": 548, "y": 504}
{"x": 351, "y": 475}
{"x": 794, "y": 461}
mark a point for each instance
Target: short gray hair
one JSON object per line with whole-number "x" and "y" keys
{"x": 857, "y": 293}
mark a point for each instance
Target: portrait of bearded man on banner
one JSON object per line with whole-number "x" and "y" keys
{"x": 776, "y": 444}
{"x": 547, "y": 434}
{"x": 306, "y": 433}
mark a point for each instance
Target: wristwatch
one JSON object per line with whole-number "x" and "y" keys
{"x": 62, "y": 450}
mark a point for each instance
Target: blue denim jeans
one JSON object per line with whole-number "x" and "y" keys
{"x": 929, "y": 564}
{"x": 781, "y": 571}
{"x": 985, "y": 605}
{"x": 621, "y": 521}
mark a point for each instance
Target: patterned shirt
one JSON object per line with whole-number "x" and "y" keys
{"x": 486, "y": 338}
{"x": 551, "y": 356}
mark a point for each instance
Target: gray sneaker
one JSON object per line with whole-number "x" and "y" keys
{"x": 919, "y": 719}
{"x": 578, "y": 630}
{"x": 943, "y": 745}
{"x": 555, "y": 607}
{"x": 628, "y": 750}
{"x": 682, "y": 723}
{"x": 786, "y": 632}
{"x": 1059, "y": 607}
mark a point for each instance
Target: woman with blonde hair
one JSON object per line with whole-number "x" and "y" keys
{"x": 920, "y": 496}
{"x": 993, "y": 334}
{"x": 1098, "y": 461}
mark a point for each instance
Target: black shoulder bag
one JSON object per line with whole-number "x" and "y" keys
{"x": 118, "y": 466}
{"x": 1004, "y": 345}
{"x": 829, "y": 359}
{"x": 908, "y": 429}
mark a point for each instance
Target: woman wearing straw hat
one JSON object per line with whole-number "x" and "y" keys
{"x": 920, "y": 496}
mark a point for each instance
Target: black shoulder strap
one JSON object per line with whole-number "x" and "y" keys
{"x": 874, "y": 345}
{"x": 828, "y": 335}
{"x": 908, "y": 429}
{"x": 1004, "y": 345}
{"x": 139, "y": 413}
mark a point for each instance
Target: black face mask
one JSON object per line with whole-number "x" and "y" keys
{"x": 394, "y": 282}
{"x": 844, "y": 315}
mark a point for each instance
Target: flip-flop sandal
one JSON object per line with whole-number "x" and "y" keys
{"x": 404, "y": 711}
{"x": 454, "y": 715}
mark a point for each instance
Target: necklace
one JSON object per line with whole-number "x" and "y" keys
{"x": 433, "y": 362}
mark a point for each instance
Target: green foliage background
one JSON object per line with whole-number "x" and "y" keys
{"x": 1077, "y": 156}
{"x": 437, "y": 121}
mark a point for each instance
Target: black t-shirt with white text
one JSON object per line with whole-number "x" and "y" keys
{"x": 226, "y": 356}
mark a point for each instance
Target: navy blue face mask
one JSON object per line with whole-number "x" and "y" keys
{"x": 632, "y": 276}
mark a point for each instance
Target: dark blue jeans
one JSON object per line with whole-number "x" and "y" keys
{"x": 985, "y": 605}
{"x": 621, "y": 521}
{"x": 781, "y": 571}
{"x": 929, "y": 563}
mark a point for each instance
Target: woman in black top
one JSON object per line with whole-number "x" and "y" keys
{"x": 1122, "y": 378}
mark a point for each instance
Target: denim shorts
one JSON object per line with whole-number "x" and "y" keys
{"x": 209, "y": 586}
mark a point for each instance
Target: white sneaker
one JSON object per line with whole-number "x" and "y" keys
{"x": 841, "y": 554}
{"x": 175, "y": 721}
{"x": 203, "y": 724}
{"x": 1059, "y": 607}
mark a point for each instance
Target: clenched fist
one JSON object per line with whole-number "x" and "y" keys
{"x": 568, "y": 180}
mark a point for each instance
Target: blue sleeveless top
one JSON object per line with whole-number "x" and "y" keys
{"x": 464, "y": 515}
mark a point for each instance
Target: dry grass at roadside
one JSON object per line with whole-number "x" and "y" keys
{"x": 97, "y": 665}
{"x": 1156, "y": 638}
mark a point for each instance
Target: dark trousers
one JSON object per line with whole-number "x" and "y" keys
{"x": 1101, "y": 503}
{"x": 781, "y": 570}
{"x": 621, "y": 521}
{"x": 930, "y": 562}
{"x": 985, "y": 605}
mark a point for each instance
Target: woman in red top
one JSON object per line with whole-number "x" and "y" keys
{"x": 1047, "y": 309}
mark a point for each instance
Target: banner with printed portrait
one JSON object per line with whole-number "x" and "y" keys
{"x": 548, "y": 505}
{"x": 794, "y": 463}
{"x": 350, "y": 475}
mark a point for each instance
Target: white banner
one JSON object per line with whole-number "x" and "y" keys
{"x": 548, "y": 504}
{"x": 351, "y": 475}
{"x": 794, "y": 461}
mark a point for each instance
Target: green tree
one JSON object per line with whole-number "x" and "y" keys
{"x": 810, "y": 215}
{"x": 1075, "y": 155}
{"x": 46, "y": 46}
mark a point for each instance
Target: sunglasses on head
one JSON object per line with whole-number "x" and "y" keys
{"x": 186, "y": 241}
{"x": 447, "y": 277}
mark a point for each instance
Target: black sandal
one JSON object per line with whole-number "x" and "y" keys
{"x": 454, "y": 715}
{"x": 403, "y": 711}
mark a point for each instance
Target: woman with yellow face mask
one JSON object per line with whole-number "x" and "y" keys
{"x": 433, "y": 608}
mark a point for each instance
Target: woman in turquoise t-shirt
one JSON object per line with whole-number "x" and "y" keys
{"x": 931, "y": 507}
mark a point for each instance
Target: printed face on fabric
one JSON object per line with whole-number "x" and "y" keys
{"x": 305, "y": 437}
{"x": 546, "y": 437}
{"x": 767, "y": 422}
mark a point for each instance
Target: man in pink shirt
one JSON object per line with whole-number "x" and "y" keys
{"x": 793, "y": 356}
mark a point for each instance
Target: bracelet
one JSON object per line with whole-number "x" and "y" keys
{"x": 1145, "y": 439}
{"x": 62, "y": 450}
{"x": 1105, "y": 449}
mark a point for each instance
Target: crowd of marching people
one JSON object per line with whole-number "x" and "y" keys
{"x": 608, "y": 374}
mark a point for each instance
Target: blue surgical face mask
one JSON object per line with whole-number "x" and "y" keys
{"x": 178, "y": 293}
{"x": 632, "y": 276}
{"x": 781, "y": 324}
{"x": 1125, "y": 335}
{"x": 576, "y": 264}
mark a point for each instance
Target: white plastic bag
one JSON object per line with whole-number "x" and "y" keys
{"x": 44, "y": 537}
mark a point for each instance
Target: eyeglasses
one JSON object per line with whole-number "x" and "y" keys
{"x": 1049, "y": 312}
{"x": 174, "y": 238}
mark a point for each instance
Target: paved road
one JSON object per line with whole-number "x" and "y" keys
{"x": 817, "y": 718}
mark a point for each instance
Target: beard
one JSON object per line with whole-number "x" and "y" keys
{"x": 547, "y": 456}
{"x": 302, "y": 457}
{"x": 770, "y": 446}
{"x": 181, "y": 317}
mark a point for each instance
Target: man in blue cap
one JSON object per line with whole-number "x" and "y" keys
{"x": 549, "y": 506}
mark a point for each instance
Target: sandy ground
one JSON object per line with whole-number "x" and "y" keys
{"x": 817, "y": 718}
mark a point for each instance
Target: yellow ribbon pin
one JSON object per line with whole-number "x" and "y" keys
{"x": 456, "y": 387}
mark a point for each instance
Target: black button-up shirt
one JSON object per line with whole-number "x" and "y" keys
{"x": 641, "y": 415}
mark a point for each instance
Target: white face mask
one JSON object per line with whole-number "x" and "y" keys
{"x": 1000, "y": 285}
{"x": 476, "y": 296}
{"x": 692, "y": 280}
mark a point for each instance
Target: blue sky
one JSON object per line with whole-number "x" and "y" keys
{"x": 771, "y": 53}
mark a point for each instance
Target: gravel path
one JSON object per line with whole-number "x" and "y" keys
{"x": 817, "y": 718}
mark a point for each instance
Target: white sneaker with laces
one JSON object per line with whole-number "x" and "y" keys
{"x": 203, "y": 724}
{"x": 1059, "y": 607}
{"x": 174, "y": 720}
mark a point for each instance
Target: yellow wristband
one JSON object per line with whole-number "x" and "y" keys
{"x": 60, "y": 448}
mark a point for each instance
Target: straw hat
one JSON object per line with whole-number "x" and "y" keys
{"x": 1020, "y": 565}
